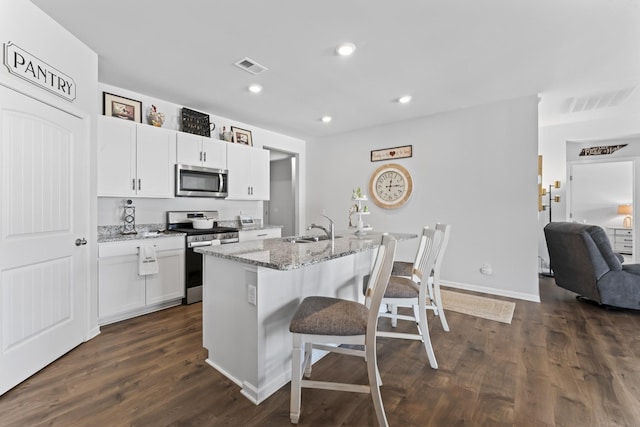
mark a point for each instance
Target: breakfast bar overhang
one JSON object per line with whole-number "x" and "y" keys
{"x": 252, "y": 289}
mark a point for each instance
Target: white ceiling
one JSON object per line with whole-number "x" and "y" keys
{"x": 448, "y": 54}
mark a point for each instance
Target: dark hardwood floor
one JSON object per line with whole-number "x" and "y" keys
{"x": 560, "y": 363}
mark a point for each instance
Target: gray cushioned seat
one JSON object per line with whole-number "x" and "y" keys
{"x": 329, "y": 316}
{"x": 402, "y": 268}
{"x": 402, "y": 287}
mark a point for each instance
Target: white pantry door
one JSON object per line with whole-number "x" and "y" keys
{"x": 43, "y": 210}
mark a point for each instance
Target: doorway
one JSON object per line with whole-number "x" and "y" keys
{"x": 597, "y": 189}
{"x": 281, "y": 208}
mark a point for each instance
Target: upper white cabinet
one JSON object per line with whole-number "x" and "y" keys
{"x": 248, "y": 172}
{"x": 201, "y": 151}
{"x": 135, "y": 159}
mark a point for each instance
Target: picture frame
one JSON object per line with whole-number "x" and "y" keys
{"x": 121, "y": 107}
{"x": 392, "y": 153}
{"x": 242, "y": 136}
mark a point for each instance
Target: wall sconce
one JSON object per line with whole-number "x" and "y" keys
{"x": 555, "y": 198}
{"x": 626, "y": 210}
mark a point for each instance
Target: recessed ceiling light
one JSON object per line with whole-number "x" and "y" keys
{"x": 326, "y": 119}
{"x": 404, "y": 99}
{"x": 346, "y": 49}
{"x": 255, "y": 88}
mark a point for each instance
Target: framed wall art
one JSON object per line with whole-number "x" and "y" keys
{"x": 242, "y": 136}
{"x": 392, "y": 153}
{"x": 121, "y": 107}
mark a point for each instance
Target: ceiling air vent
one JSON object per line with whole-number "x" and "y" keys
{"x": 598, "y": 101}
{"x": 250, "y": 66}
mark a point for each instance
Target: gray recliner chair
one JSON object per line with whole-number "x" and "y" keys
{"x": 584, "y": 262}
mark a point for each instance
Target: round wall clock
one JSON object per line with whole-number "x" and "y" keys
{"x": 390, "y": 186}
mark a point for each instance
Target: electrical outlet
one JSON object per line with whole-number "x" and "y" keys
{"x": 486, "y": 269}
{"x": 251, "y": 294}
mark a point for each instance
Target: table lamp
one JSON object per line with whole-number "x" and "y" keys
{"x": 625, "y": 210}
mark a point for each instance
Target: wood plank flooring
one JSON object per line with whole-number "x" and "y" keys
{"x": 560, "y": 363}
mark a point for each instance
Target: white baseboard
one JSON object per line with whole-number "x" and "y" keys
{"x": 492, "y": 291}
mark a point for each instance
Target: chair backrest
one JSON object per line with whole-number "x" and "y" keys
{"x": 378, "y": 283}
{"x": 446, "y": 231}
{"x": 580, "y": 255}
{"x": 430, "y": 243}
{"x": 379, "y": 279}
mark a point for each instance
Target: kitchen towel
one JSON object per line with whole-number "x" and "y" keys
{"x": 147, "y": 260}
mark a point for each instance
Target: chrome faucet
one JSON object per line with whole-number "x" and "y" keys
{"x": 331, "y": 232}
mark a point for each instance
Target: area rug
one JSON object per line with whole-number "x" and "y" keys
{"x": 486, "y": 308}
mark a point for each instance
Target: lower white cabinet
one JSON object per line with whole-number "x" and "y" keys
{"x": 123, "y": 293}
{"x": 266, "y": 233}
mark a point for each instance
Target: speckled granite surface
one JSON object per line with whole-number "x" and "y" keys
{"x": 112, "y": 233}
{"x": 282, "y": 254}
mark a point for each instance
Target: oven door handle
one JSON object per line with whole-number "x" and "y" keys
{"x": 199, "y": 244}
{"x": 232, "y": 240}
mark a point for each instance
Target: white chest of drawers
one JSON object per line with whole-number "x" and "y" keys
{"x": 622, "y": 240}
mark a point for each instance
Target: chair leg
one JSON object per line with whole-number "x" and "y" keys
{"x": 394, "y": 315}
{"x": 426, "y": 338}
{"x": 374, "y": 385}
{"x": 307, "y": 356}
{"x": 438, "y": 303}
{"x": 297, "y": 359}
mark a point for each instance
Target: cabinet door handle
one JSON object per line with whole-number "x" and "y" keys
{"x": 205, "y": 156}
{"x": 201, "y": 156}
{"x": 249, "y": 191}
{"x": 139, "y": 184}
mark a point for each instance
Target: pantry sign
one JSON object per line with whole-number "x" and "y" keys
{"x": 30, "y": 68}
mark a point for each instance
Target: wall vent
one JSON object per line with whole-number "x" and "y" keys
{"x": 598, "y": 101}
{"x": 250, "y": 66}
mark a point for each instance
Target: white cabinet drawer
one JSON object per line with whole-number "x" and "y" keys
{"x": 130, "y": 247}
{"x": 623, "y": 232}
{"x": 267, "y": 233}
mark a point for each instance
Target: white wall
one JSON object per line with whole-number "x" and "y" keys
{"x": 28, "y": 27}
{"x": 475, "y": 169}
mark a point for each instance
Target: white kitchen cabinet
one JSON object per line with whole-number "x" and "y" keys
{"x": 201, "y": 151}
{"x": 248, "y": 172}
{"x": 123, "y": 293}
{"x": 135, "y": 159}
{"x": 261, "y": 234}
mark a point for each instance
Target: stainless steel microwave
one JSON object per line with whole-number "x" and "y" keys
{"x": 196, "y": 181}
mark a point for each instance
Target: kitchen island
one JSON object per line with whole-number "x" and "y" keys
{"x": 252, "y": 289}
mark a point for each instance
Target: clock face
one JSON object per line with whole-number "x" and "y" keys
{"x": 390, "y": 186}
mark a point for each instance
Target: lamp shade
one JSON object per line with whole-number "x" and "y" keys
{"x": 625, "y": 209}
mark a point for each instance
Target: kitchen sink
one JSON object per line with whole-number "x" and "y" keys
{"x": 307, "y": 239}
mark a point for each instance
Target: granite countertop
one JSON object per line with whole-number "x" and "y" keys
{"x": 283, "y": 254}
{"x": 112, "y": 233}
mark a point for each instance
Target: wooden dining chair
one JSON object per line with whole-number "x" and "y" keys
{"x": 413, "y": 292}
{"x": 323, "y": 322}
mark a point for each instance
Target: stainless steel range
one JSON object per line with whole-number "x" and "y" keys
{"x": 183, "y": 221}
